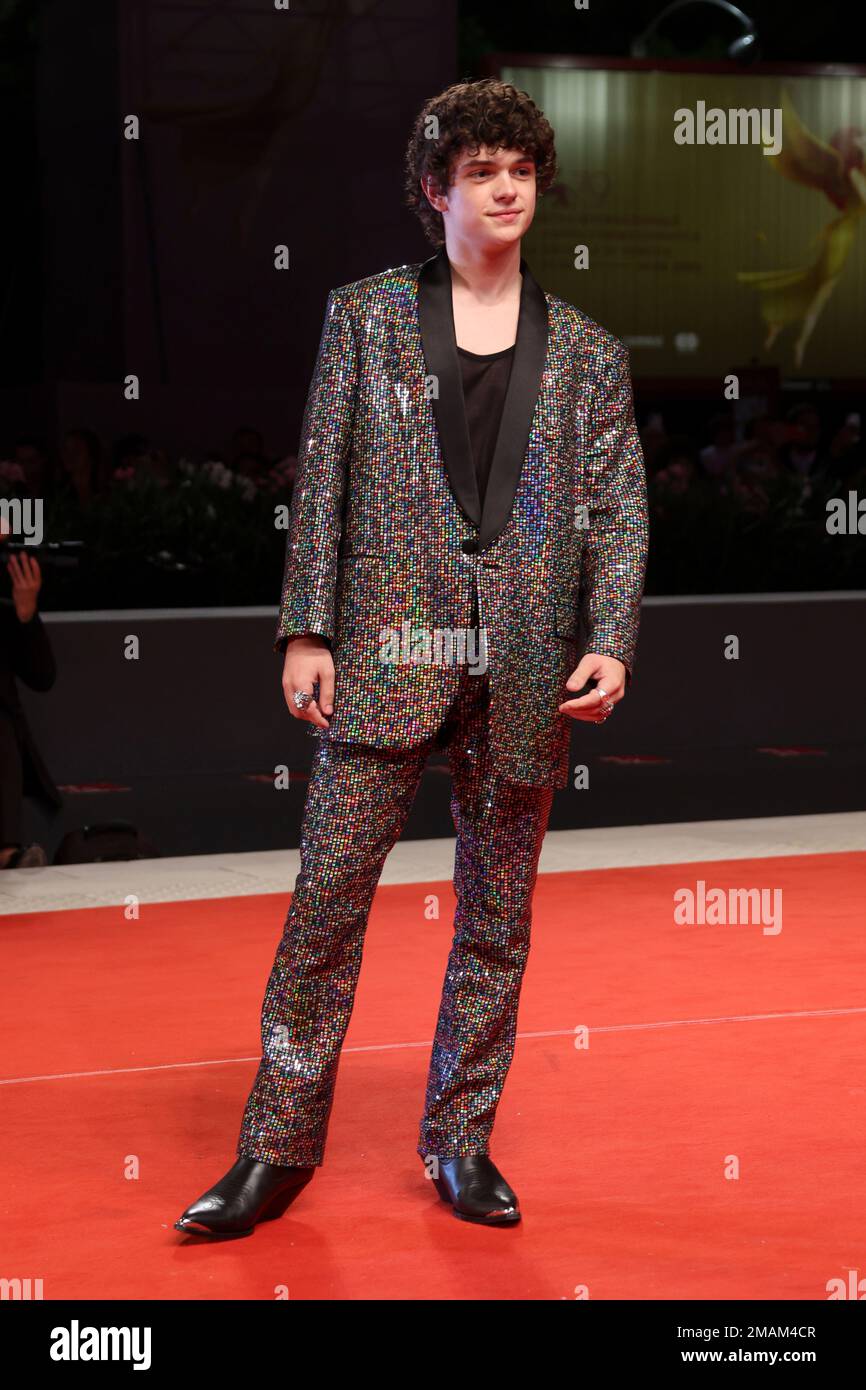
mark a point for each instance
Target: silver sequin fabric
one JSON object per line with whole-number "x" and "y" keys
{"x": 377, "y": 540}
{"x": 376, "y": 536}
{"x": 357, "y": 803}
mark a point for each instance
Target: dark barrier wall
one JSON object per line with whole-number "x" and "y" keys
{"x": 188, "y": 735}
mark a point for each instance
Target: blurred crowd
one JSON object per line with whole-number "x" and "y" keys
{"x": 741, "y": 460}
{"x": 83, "y": 468}
{"x": 796, "y": 458}
{"x": 799, "y": 448}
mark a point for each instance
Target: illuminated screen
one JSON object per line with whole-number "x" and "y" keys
{"x": 704, "y": 257}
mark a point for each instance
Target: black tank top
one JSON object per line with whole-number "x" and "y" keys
{"x": 485, "y": 381}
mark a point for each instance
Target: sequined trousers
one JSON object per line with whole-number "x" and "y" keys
{"x": 358, "y": 800}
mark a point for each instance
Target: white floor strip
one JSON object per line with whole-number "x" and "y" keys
{"x": 55, "y": 889}
{"x": 428, "y": 1043}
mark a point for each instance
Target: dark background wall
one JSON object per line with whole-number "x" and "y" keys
{"x": 194, "y": 729}
{"x": 156, "y": 256}
{"x": 258, "y": 127}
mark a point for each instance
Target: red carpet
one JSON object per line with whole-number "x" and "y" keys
{"x": 705, "y": 1042}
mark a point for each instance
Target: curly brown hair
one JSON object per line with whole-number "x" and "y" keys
{"x": 462, "y": 119}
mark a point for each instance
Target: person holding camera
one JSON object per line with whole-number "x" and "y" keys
{"x": 26, "y": 655}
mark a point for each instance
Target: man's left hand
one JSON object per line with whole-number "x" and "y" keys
{"x": 610, "y": 675}
{"x": 26, "y": 582}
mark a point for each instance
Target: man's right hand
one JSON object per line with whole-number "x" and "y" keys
{"x": 307, "y": 660}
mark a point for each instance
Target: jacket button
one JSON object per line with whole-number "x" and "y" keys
{"x": 469, "y": 547}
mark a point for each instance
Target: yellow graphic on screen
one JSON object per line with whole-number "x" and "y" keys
{"x": 838, "y": 170}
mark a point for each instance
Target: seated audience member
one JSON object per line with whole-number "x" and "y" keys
{"x": 675, "y": 465}
{"x": 757, "y": 457}
{"x": 800, "y": 453}
{"x": 717, "y": 457}
{"x": 247, "y": 443}
{"x": 33, "y": 456}
{"x": 846, "y": 455}
{"x": 81, "y": 462}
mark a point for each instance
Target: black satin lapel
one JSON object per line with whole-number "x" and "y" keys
{"x": 524, "y": 384}
{"x": 439, "y": 343}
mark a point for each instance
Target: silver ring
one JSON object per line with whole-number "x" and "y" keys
{"x": 606, "y": 704}
{"x": 301, "y": 698}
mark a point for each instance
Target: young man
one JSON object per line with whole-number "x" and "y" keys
{"x": 469, "y": 459}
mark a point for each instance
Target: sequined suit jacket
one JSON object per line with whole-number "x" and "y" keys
{"x": 386, "y": 534}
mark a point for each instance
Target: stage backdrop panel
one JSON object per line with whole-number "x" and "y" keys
{"x": 672, "y": 229}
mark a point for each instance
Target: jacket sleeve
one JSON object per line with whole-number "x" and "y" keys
{"x": 615, "y": 546}
{"x": 32, "y": 657}
{"x": 315, "y": 515}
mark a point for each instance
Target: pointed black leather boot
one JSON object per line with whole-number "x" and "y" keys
{"x": 477, "y": 1191}
{"x": 250, "y": 1192}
